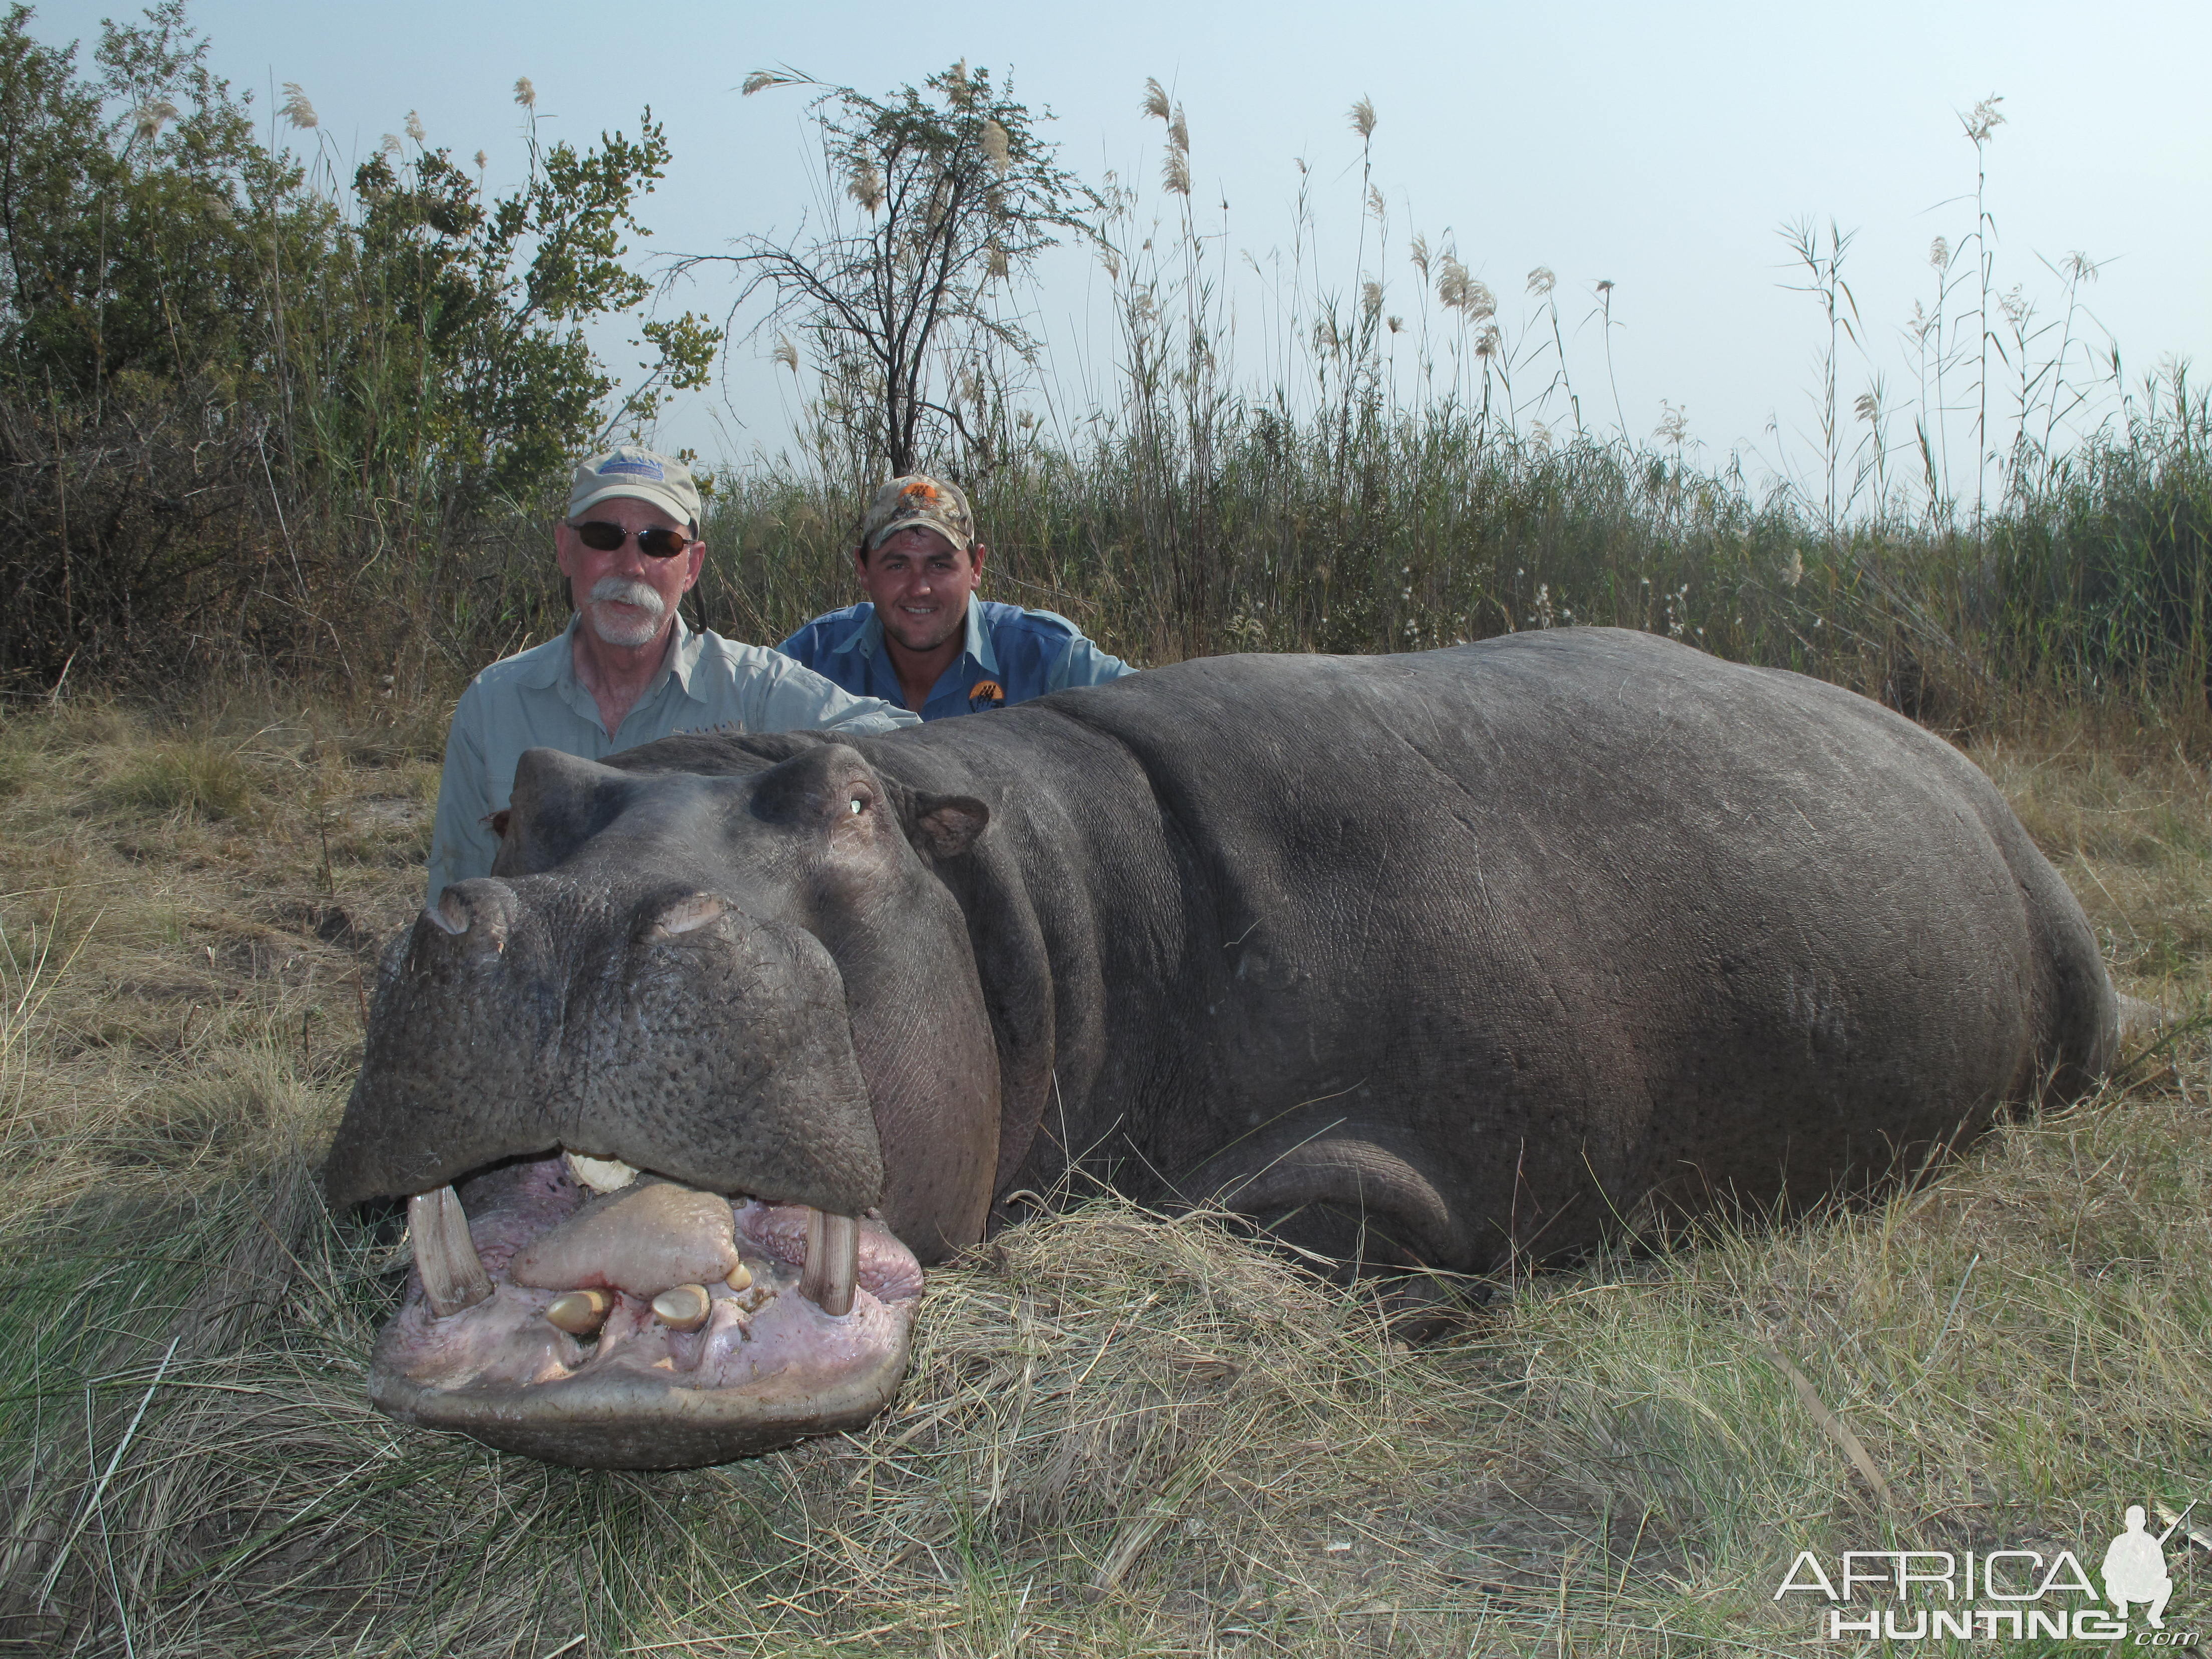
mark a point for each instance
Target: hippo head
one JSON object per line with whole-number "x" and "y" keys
{"x": 680, "y": 1097}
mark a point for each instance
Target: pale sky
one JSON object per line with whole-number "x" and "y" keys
{"x": 1657, "y": 146}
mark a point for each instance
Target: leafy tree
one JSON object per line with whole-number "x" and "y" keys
{"x": 148, "y": 238}
{"x": 504, "y": 387}
{"x": 934, "y": 200}
{"x": 202, "y": 342}
{"x": 141, "y": 224}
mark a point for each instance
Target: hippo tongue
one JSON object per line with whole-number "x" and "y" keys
{"x": 642, "y": 1239}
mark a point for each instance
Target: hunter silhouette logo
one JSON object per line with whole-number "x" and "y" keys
{"x": 2135, "y": 1567}
{"x": 2010, "y": 1595}
{"x": 986, "y": 694}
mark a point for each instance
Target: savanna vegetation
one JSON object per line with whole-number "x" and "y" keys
{"x": 279, "y": 448}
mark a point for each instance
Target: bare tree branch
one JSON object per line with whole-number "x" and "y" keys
{"x": 930, "y": 198}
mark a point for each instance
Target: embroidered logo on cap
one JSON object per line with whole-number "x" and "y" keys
{"x": 643, "y": 469}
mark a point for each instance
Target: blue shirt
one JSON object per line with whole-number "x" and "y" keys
{"x": 1011, "y": 655}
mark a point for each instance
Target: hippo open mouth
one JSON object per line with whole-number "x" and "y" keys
{"x": 574, "y": 1310}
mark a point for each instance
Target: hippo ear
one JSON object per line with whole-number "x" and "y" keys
{"x": 943, "y": 826}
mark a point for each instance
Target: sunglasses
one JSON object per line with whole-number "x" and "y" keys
{"x": 655, "y": 542}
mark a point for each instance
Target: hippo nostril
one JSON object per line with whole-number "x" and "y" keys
{"x": 687, "y": 914}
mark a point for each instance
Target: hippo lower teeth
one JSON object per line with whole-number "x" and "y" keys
{"x": 833, "y": 1261}
{"x": 646, "y": 1328}
{"x": 684, "y": 1308}
{"x": 453, "y": 1279}
{"x": 579, "y": 1313}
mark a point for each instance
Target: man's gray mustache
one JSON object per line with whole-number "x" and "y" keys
{"x": 624, "y": 590}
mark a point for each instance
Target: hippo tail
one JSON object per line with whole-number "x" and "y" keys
{"x": 2076, "y": 1010}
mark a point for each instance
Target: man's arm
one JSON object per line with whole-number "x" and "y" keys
{"x": 788, "y": 697}
{"x": 461, "y": 845}
{"x": 1084, "y": 664}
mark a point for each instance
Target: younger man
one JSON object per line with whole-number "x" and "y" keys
{"x": 922, "y": 640}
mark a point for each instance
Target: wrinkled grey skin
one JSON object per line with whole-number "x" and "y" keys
{"x": 1432, "y": 960}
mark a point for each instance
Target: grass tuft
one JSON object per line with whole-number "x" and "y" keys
{"x": 194, "y": 777}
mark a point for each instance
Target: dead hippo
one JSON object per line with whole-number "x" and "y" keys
{"x": 1424, "y": 960}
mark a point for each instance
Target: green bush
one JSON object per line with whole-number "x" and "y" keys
{"x": 240, "y": 402}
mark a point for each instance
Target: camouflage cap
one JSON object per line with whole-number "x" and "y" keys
{"x": 629, "y": 471}
{"x": 917, "y": 499}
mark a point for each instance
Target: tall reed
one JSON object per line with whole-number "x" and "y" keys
{"x": 1357, "y": 496}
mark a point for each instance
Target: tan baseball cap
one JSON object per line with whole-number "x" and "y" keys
{"x": 918, "y": 499}
{"x": 628, "y": 471}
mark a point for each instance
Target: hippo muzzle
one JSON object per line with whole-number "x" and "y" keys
{"x": 640, "y": 1162}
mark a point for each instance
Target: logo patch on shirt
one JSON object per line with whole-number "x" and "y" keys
{"x": 985, "y": 694}
{"x": 642, "y": 469}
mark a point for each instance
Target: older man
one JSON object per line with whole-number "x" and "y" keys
{"x": 922, "y": 638}
{"x": 626, "y": 670}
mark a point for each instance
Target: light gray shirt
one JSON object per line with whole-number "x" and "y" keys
{"x": 533, "y": 700}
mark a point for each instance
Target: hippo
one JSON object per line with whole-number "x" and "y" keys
{"x": 1426, "y": 963}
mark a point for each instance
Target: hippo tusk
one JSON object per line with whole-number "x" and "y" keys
{"x": 833, "y": 1261}
{"x": 453, "y": 1278}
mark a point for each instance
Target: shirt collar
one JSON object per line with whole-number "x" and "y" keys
{"x": 683, "y": 652}
{"x": 865, "y": 638}
{"x": 979, "y": 638}
{"x": 558, "y": 665}
{"x": 869, "y": 634}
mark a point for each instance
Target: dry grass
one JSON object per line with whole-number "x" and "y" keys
{"x": 2133, "y": 833}
{"x": 1124, "y": 1434}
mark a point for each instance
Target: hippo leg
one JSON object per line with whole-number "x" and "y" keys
{"x": 1345, "y": 1195}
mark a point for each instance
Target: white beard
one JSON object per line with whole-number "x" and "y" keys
{"x": 622, "y": 631}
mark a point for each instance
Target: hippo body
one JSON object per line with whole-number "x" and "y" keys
{"x": 1425, "y": 961}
